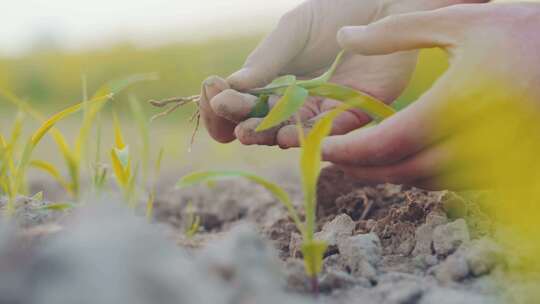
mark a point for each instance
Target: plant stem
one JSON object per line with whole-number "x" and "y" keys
{"x": 315, "y": 285}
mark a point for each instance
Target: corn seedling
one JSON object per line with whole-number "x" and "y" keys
{"x": 73, "y": 155}
{"x": 293, "y": 94}
{"x": 310, "y": 164}
{"x": 14, "y": 172}
{"x": 193, "y": 221}
{"x": 122, "y": 164}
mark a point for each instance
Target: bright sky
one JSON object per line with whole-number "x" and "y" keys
{"x": 83, "y": 23}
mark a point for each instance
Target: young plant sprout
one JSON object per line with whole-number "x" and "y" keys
{"x": 293, "y": 94}
{"x": 13, "y": 171}
{"x": 73, "y": 155}
{"x": 122, "y": 164}
{"x": 193, "y": 221}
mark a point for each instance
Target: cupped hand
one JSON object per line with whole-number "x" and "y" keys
{"x": 493, "y": 48}
{"x": 304, "y": 44}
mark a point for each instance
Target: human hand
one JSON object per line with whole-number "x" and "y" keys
{"x": 494, "y": 50}
{"x": 304, "y": 44}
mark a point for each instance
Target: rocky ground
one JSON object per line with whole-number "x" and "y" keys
{"x": 387, "y": 244}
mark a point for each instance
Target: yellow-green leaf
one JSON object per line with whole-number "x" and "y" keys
{"x": 310, "y": 165}
{"x": 313, "y": 252}
{"x": 52, "y": 171}
{"x": 324, "y": 78}
{"x": 118, "y": 137}
{"x": 277, "y": 191}
{"x": 285, "y": 80}
{"x": 49, "y": 123}
{"x": 38, "y": 196}
{"x": 57, "y": 207}
{"x": 375, "y": 108}
{"x": 120, "y": 173}
{"x": 290, "y": 102}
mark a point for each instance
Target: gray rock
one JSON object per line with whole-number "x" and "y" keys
{"x": 447, "y": 238}
{"x": 337, "y": 230}
{"x": 360, "y": 254}
{"x": 424, "y": 234}
{"x": 336, "y": 279}
{"x": 452, "y": 296}
{"x": 454, "y": 269}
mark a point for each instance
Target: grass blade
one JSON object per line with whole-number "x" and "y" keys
{"x": 290, "y": 102}
{"x": 52, "y": 171}
{"x": 277, "y": 191}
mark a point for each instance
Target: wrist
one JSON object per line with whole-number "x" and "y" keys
{"x": 394, "y": 7}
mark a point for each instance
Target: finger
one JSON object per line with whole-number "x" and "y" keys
{"x": 422, "y": 166}
{"x": 396, "y": 138}
{"x": 232, "y": 105}
{"x": 277, "y": 50}
{"x": 405, "y": 32}
{"x": 246, "y": 134}
{"x": 218, "y": 127}
{"x": 288, "y": 136}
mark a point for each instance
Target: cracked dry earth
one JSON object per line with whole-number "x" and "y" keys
{"x": 387, "y": 244}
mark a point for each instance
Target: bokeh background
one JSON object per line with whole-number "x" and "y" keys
{"x": 51, "y": 51}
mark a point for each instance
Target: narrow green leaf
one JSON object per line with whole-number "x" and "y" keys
{"x": 49, "y": 123}
{"x": 310, "y": 166}
{"x": 324, "y": 78}
{"x": 58, "y": 207}
{"x": 123, "y": 156}
{"x": 277, "y": 191}
{"x": 285, "y": 80}
{"x": 38, "y": 196}
{"x": 52, "y": 171}
{"x": 292, "y": 101}
{"x": 375, "y": 108}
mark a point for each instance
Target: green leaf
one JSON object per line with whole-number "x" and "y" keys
{"x": 123, "y": 156}
{"x": 38, "y": 196}
{"x": 277, "y": 191}
{"x": 310, "y": 165}
{"x": 313, "y": 252}
{"x": 261, "y": 107}
{"x": 324, "y": 78}
{"x": 290, "y": 103}
{"x": 375, "y": 108}
{"x": 51, "y": 169}
{"x": 283, "y": 81}
{"x": 57, "y": 206}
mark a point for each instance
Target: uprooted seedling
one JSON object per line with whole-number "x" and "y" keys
{"x": 293, "y": 94}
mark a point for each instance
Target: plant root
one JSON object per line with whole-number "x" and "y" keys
{"x": 177, "y": 102}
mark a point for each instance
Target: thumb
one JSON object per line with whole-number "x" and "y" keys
{"x": 276, "y": 51}
{"x": 437, "y": 28}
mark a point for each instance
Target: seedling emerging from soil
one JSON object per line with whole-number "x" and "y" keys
{"x": 310, "y": 165}
{"x": 121, "y": 161}
{"x": 193, "y": 221}
{"x": 14, "y": 172}
{"x": 73, "y": 155}
{"x": 293, "y": 94}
